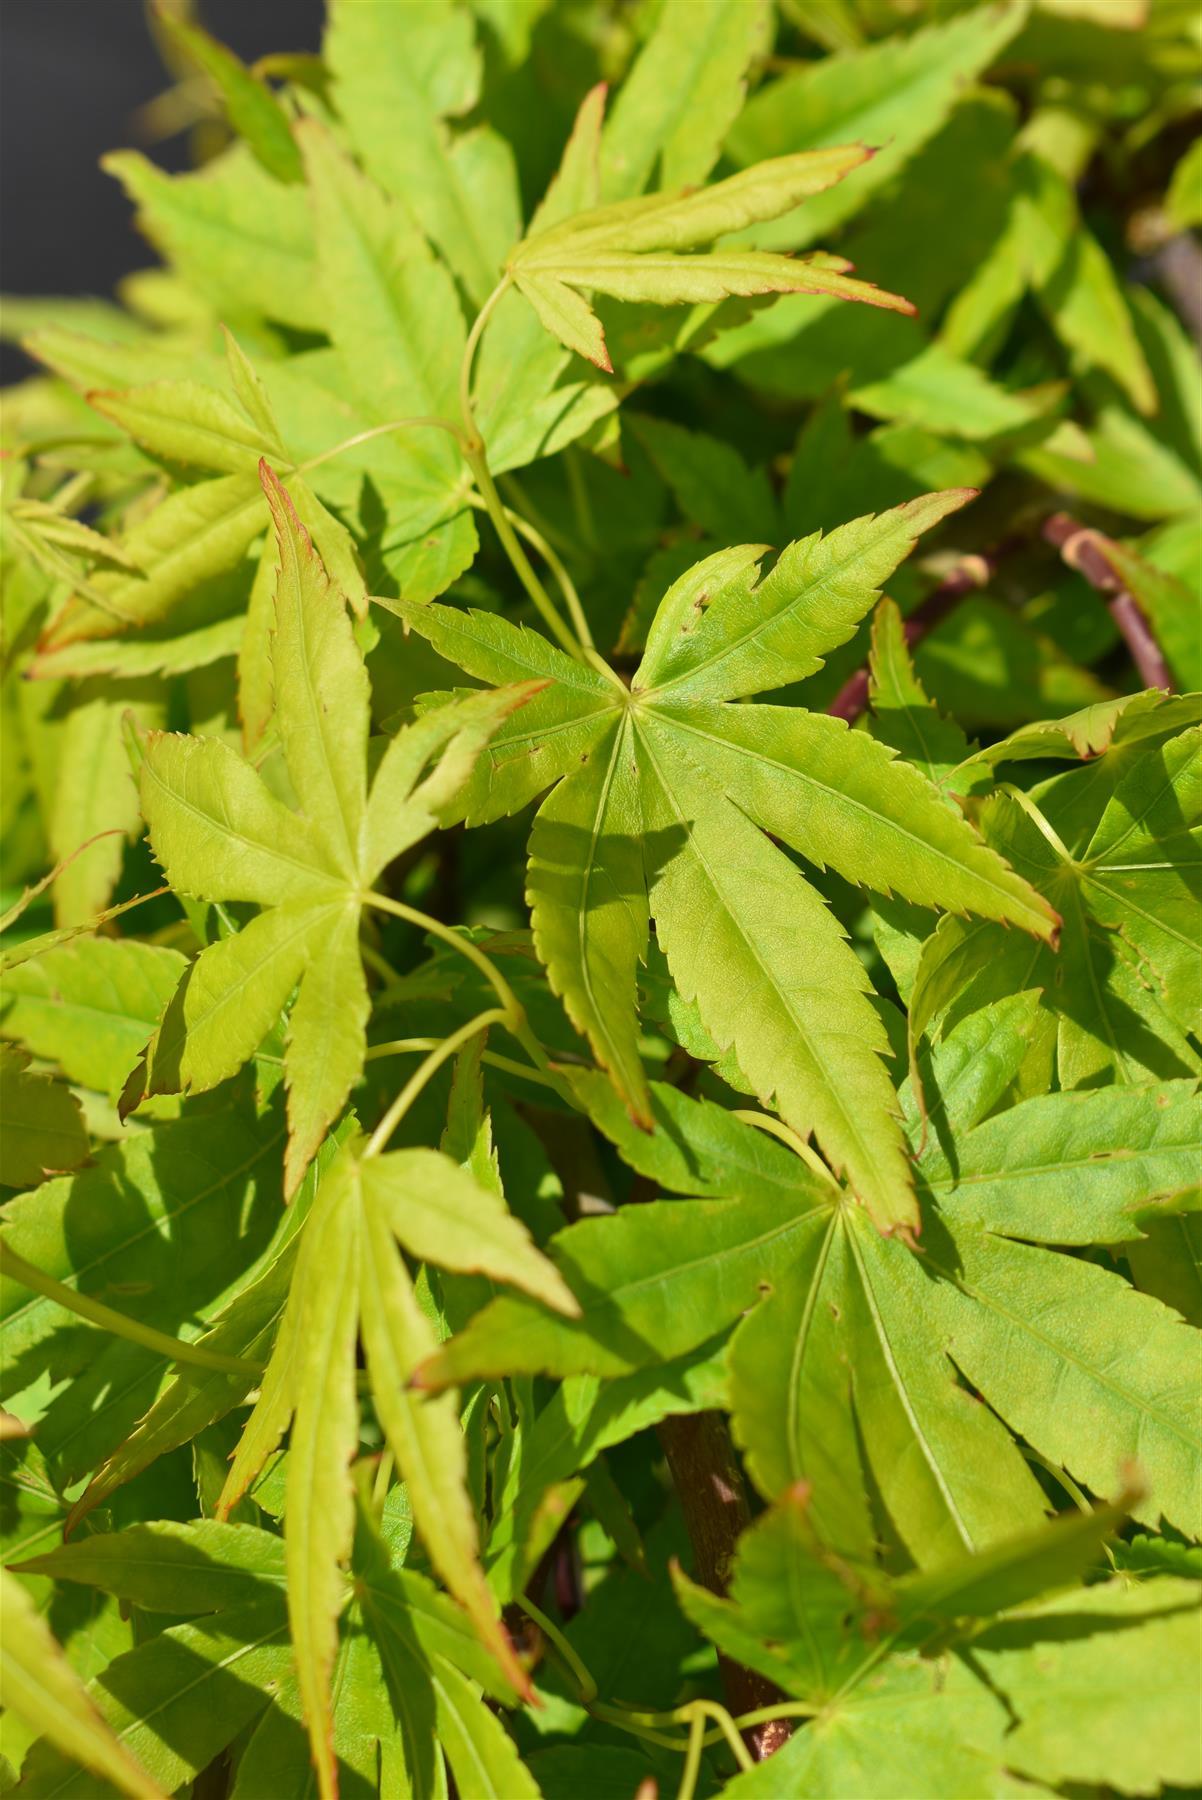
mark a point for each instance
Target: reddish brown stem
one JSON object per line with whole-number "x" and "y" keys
{"x": 1085, "y": 551}
{"x": 709, "y": 1485}
{"x": 971, "y": 573}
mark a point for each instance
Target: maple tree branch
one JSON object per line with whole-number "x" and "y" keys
{"x": 709, "y": 1485}
{"x": 1083, "y": 549}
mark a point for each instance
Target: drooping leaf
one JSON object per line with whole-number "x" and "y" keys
{"x": 222, "y": 835}
{"x": 39, "y": 1685}
{"x": 351, "y": 1280}
{"x": 252, "y": 109}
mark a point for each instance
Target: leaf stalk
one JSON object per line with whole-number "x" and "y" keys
{"x": 428, "y": 1067}
{"x": 119, "y": 1324}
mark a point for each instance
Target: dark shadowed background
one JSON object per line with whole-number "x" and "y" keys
{"x": 73, "y": 74}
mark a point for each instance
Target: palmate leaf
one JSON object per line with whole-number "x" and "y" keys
{"x": 242, "y": 240}
{"x": 895, "y": 93}
{"x": 1025, "y": 1325}
{"x": 1082, "y": 1167}
{"x": 176, "y": 1700}
{"x": 1045, "y": 245}
{"x": 926, "y": 1311}
{"x": 664, "y": 798}
{"x": 426, "y": 67}
{"x": 530, "y": 395}
{"x": 351, "y": 1280}
{"x": 798, "y": 1598}
{"x": 630, "y": 250}
{"x": 388, "y": 305}
{"x": 842, "y": 1377}
{"x": 958, "y": 1677}
{"x": 398, "y": 1636}
{"x": 222, "y": 835}
{"x": 1115, "y": 847}
{"x": 677, "y": 101}
{"x": 246, "y": 1328}
{"x": 391, "y": 307}
{"x": 200, "y": 533}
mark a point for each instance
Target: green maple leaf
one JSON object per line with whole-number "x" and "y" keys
{"x": 226, "y": 1583}
{"x": 1116, "y": 847}
{"x": 221, "y": 834}
{"x": 198, "y": 531}
{"x": 840, "y": 1377}
{"x": 89, "y": 1006}
{"x": 961, "y": 1676}
{"x": 40, "y": 1121}
{"x": 664, "y": 793}
{"x": 182, "y": 1214}
{"x": 352, "y": 1282}
{"x": 631, "y": 249}
{"x": 1029, "y": 1327}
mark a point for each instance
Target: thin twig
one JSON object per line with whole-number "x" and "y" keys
{"x": 970, "y": 574}
{"x": 1085, "y": 551}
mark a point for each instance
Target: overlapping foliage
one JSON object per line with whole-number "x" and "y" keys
{"x": 573, "y": 1230}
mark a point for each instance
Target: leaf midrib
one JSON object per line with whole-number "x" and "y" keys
{"x": 1133, "y": 1403}
{"x": 860, "y": 806}
{"x": 583, "y": 912}
{"x": 318, "y": 875}
{"x": 813, "y": 592}
{"x": 837, "y": 1098}
{"x": 900, "y": 1390}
